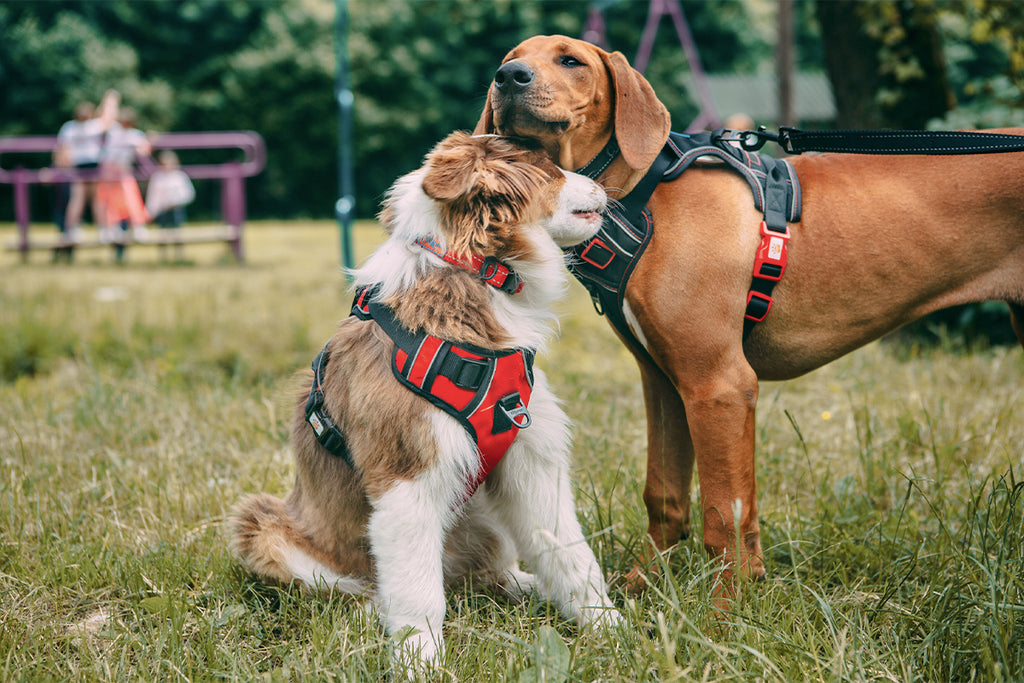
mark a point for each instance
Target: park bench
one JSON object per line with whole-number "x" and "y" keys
{"x": 231, "y": 173}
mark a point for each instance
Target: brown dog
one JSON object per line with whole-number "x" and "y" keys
{"x": 883, "y": 240}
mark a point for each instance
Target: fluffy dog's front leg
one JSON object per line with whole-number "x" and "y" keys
{"x": 533, "y": 490}
{"x": 406, "y": 531}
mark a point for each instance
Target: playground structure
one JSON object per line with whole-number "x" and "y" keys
{"x": 594, "y": 32}
{"x": 231, "y": 173}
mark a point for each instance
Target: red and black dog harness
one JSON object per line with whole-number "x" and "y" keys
{"x": 604, "y": 263}
{"x": 488, "y": 392}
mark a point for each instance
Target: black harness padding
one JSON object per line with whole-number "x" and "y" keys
{"x": 604, "y": 263}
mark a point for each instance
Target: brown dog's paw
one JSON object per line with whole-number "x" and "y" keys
{"x": 637, "y": 580}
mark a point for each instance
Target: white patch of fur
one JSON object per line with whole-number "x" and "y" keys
{"x": 578, "y": 194}
{"x": 536, "y": 503}
{"x": 316, "y": 576}
{"x": 399, "y": 263}
{"x": 634, "y": 324}
{"x": 407, "y": 531}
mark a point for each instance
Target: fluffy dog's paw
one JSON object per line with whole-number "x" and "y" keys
{"x": 600, "y": 616}
{"x": 417, "y": 649}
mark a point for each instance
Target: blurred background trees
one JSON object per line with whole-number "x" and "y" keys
{"x": 421, "y": 68}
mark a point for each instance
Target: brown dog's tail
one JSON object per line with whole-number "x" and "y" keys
{"x": 268, "y": 542}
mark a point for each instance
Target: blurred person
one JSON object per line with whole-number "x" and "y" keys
{"x": 61, "y": 196}
{"x": 79, "y": 143}
{"x": 170, "y": 191}
{"x": 738, "y": 121}
{"x": 118, "y": 190}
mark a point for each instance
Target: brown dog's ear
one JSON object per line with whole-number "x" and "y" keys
{"x": 486, "y": 123}
{"x": 642, "y": 123}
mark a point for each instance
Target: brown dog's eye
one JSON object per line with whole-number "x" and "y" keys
{"x": 570, "y": 61}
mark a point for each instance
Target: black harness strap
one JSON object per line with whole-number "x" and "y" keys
{"x": 605, "y": 262}
{"x": 325, "y": 429}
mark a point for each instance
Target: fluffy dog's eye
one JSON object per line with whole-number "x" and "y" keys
{"x": 570, "y": 61}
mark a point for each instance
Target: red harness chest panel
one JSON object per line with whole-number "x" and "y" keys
{"x": 488, "y": 392}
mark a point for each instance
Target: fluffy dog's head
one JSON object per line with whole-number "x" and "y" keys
{"x": 489, "y": 193}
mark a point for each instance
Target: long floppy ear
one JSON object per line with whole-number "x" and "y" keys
{"x": 642, "y": 123}
{"x": 486, "y": 123}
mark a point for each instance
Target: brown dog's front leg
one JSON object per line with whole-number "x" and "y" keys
{"x": 669, "y": 469}
{"x": 721, "y": 415}
{"x": 669, "y": 460}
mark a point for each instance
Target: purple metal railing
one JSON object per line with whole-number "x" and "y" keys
{"x": 231, "y": 173}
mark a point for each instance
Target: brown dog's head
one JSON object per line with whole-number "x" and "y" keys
{"x": 572, "y": 96}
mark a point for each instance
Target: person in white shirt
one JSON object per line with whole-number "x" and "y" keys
{"x": 79, "y": 143}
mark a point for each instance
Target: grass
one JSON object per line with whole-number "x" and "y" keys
{"x": 139, "y": 402}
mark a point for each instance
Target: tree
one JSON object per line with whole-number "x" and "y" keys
{"x": 884, "y": 59}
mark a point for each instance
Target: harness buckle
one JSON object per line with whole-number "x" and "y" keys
{"x": 324, "y": 429}
{"x": 770, "y": 262}
{"x": 497, "y": 274}
{"x": 758, "y": 305}
{"x": 507, "y": 411}
{"x": 465, "y": 373}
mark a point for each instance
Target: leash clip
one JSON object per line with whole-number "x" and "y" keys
{"x": 753, "y": 140}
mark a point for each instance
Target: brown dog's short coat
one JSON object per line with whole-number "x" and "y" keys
{"x": 883, "y": 240}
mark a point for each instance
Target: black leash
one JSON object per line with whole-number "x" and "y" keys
{"x": 795, "y": 141}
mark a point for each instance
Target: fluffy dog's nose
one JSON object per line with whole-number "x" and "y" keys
{"x": 513, "y": 76}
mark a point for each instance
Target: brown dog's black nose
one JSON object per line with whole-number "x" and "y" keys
{"x": 513, "y": 76}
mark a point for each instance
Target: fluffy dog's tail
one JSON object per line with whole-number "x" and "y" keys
{"x": 266, "y": 539}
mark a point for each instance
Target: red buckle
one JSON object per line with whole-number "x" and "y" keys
{"x": 763, "y": 298}
{"x": 770, "y": 263}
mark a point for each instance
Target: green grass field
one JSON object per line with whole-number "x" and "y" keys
{"x": 139, "y": 402}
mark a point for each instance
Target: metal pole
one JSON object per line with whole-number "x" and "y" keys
{"x": 784, "y": 60}
{"x": 344, "y": 208}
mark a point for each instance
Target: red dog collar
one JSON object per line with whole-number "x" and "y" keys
{"x": 489, "y": 269}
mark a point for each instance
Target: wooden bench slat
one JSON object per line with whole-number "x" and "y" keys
{"x": 159, "y": 236}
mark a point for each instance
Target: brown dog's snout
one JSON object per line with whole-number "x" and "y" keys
{"x": 513, "y": 76}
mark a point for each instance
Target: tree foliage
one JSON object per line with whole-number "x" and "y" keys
{"x": 419, "y": 69}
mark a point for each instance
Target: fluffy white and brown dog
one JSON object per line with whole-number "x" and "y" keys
{"x": 403, "y": 481}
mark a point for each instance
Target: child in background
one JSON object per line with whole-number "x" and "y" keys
{"x": 170, "y": 190}
{"x": 118, "y": 189}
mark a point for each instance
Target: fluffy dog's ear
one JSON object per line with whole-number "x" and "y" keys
{"x": 452, "y": 167}
{"x": 642, "y": 123}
